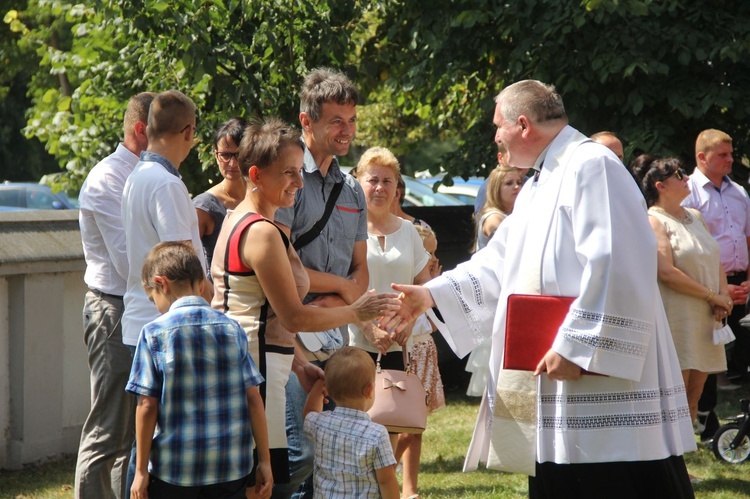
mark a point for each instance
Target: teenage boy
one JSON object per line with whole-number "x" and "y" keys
{"x": 194, "y": 378}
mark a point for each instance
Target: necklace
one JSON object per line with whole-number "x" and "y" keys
{"x": 686, "y": 219}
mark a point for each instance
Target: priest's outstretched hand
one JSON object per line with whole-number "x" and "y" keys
{"x": 415, "y": 300}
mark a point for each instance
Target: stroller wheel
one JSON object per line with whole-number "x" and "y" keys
{"x": 722, "y": 444}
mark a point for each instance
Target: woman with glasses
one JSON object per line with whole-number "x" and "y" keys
{"x": 691, "y": 280}
{"x": 212, "y": 205}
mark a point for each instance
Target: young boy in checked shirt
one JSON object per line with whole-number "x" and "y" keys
{"x": 199, "y": 406}
{"x": 353, "y": 456}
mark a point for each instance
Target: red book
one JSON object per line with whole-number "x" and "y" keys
{"x": 531, "y": 324}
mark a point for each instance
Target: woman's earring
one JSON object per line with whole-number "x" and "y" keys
{"x": 254, "y": 188}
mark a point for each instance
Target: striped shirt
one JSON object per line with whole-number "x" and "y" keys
{"x": 195, "y": 361}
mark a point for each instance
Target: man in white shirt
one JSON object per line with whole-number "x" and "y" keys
{"x": 108, "y": 431}
{"x": 579, "y": 229}
{"x": 156, "y": 207}
{"x": 725, "y": 207}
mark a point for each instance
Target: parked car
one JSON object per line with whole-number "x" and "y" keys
{"x": 34, "y": 197}
{"x": 464, "y": 190}
{"x": 421, "y": 194}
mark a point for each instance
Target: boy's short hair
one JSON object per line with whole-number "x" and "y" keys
{"x": 170, "y": 112}
{"x": 175, "y": 260}
{"x": 348, "y": 372}
{"x": 326, "y": 85}
{"x": 263, "y": 142}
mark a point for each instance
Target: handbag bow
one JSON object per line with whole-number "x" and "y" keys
{"x": 387, "y": 383}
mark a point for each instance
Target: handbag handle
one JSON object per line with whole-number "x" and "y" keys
{"x": 407, "y": 361}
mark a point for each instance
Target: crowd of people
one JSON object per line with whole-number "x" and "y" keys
{"x": 217, "y": 327}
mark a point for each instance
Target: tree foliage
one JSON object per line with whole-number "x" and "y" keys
{"x": 655, "y": 72}
{"x": 233, "y": 58}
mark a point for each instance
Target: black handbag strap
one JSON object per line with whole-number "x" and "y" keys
{"x": 316, "y": 229}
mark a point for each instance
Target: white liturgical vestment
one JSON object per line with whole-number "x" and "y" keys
{"x": 581, "y": 230}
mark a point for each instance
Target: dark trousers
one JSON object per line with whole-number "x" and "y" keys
{"x": 227, "y": 490}
{"x": 660, "y": 479}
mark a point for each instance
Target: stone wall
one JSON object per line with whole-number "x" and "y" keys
{"x": 44, "y": 386}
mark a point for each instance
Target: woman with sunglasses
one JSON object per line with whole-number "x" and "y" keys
{"x": 212, "y": 205}
{"x": 691, "y": 280}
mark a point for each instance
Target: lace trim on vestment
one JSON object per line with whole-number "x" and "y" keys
{"x": 476, "y": 314}
{"x": 602, "y": 343}
{"x": 611, "y": 397}
{"x": 612, "y": 320}
{"x": 614, "y": 420}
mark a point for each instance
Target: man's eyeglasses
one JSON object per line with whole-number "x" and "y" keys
{"x": 187, "y": 128}
{"x": 226, "y": 157}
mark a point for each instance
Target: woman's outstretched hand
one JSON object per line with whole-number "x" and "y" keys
{"x": 370, "y": 305}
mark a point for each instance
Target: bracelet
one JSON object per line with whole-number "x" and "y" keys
{"x": 710, "y": 295}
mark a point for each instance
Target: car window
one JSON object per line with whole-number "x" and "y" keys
{"x": 10, "y": 197}
{"x": 40, "y": 200}
{"x": 423, "y": 195}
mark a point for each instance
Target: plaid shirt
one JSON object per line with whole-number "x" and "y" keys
{"x": 194, "y": 360}
{"x": 349, "y": 447}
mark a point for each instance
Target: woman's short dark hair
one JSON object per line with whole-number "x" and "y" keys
{"x": 648, "y": 169}
{"x": 233, "y": 128}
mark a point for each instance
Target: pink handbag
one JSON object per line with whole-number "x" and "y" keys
{"x": 400, "y": 399}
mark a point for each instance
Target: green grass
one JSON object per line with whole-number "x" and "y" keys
{"x": 445, "y": 443}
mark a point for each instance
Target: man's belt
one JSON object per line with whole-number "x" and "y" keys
{"x": 102, "y": 294}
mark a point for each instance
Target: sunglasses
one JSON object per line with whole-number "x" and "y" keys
{"x": 227, "y": 156}
{"x": 681, "y": 174}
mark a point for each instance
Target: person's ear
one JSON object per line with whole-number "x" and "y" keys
{"x": 305, "y": 121}
{"x": 525, "y": 124}
{"x": 161, "y": 283}
{"x": 254, "y": 174}
{"x": 140, "y": 129}
{"x": 369, "y": 390}
{"x": 659, "y": 185}
{"x": 701, "y": 157}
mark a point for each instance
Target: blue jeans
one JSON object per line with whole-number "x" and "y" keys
{"x": 131, "y": 466}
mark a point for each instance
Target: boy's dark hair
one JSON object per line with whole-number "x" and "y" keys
{"x": 326, "y": 85}
{"x": 263, "y": 142}
{"x": 348, "y": 372}
{"x": 175, "y": 260}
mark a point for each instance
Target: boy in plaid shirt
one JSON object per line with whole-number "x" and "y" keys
{"x": 199, "y": 406}
{"x": 353, "y": 456}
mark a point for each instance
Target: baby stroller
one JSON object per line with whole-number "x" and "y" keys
{"x": 731, "y": 442}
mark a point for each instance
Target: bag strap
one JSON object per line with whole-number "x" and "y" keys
{"x": 407, "y": 361}
{"x": 316, "y": 229}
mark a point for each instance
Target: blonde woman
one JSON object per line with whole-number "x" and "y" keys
{"x": 395, "y": 254}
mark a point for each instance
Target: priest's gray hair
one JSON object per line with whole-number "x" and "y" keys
{"x": 537, "y": 101}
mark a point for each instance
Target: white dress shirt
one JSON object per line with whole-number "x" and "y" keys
{"x": 100, "y": 219}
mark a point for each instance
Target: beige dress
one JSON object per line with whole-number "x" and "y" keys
{"x": 696, "y": 253}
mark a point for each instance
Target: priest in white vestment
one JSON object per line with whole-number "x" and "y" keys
{"x": 579, "y": 228}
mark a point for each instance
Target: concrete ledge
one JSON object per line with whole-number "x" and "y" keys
{"x": 39, "y": 236}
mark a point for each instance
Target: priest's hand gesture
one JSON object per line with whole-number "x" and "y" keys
{"x": 415, "y": 300}
{"x": 557, "y": 367}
